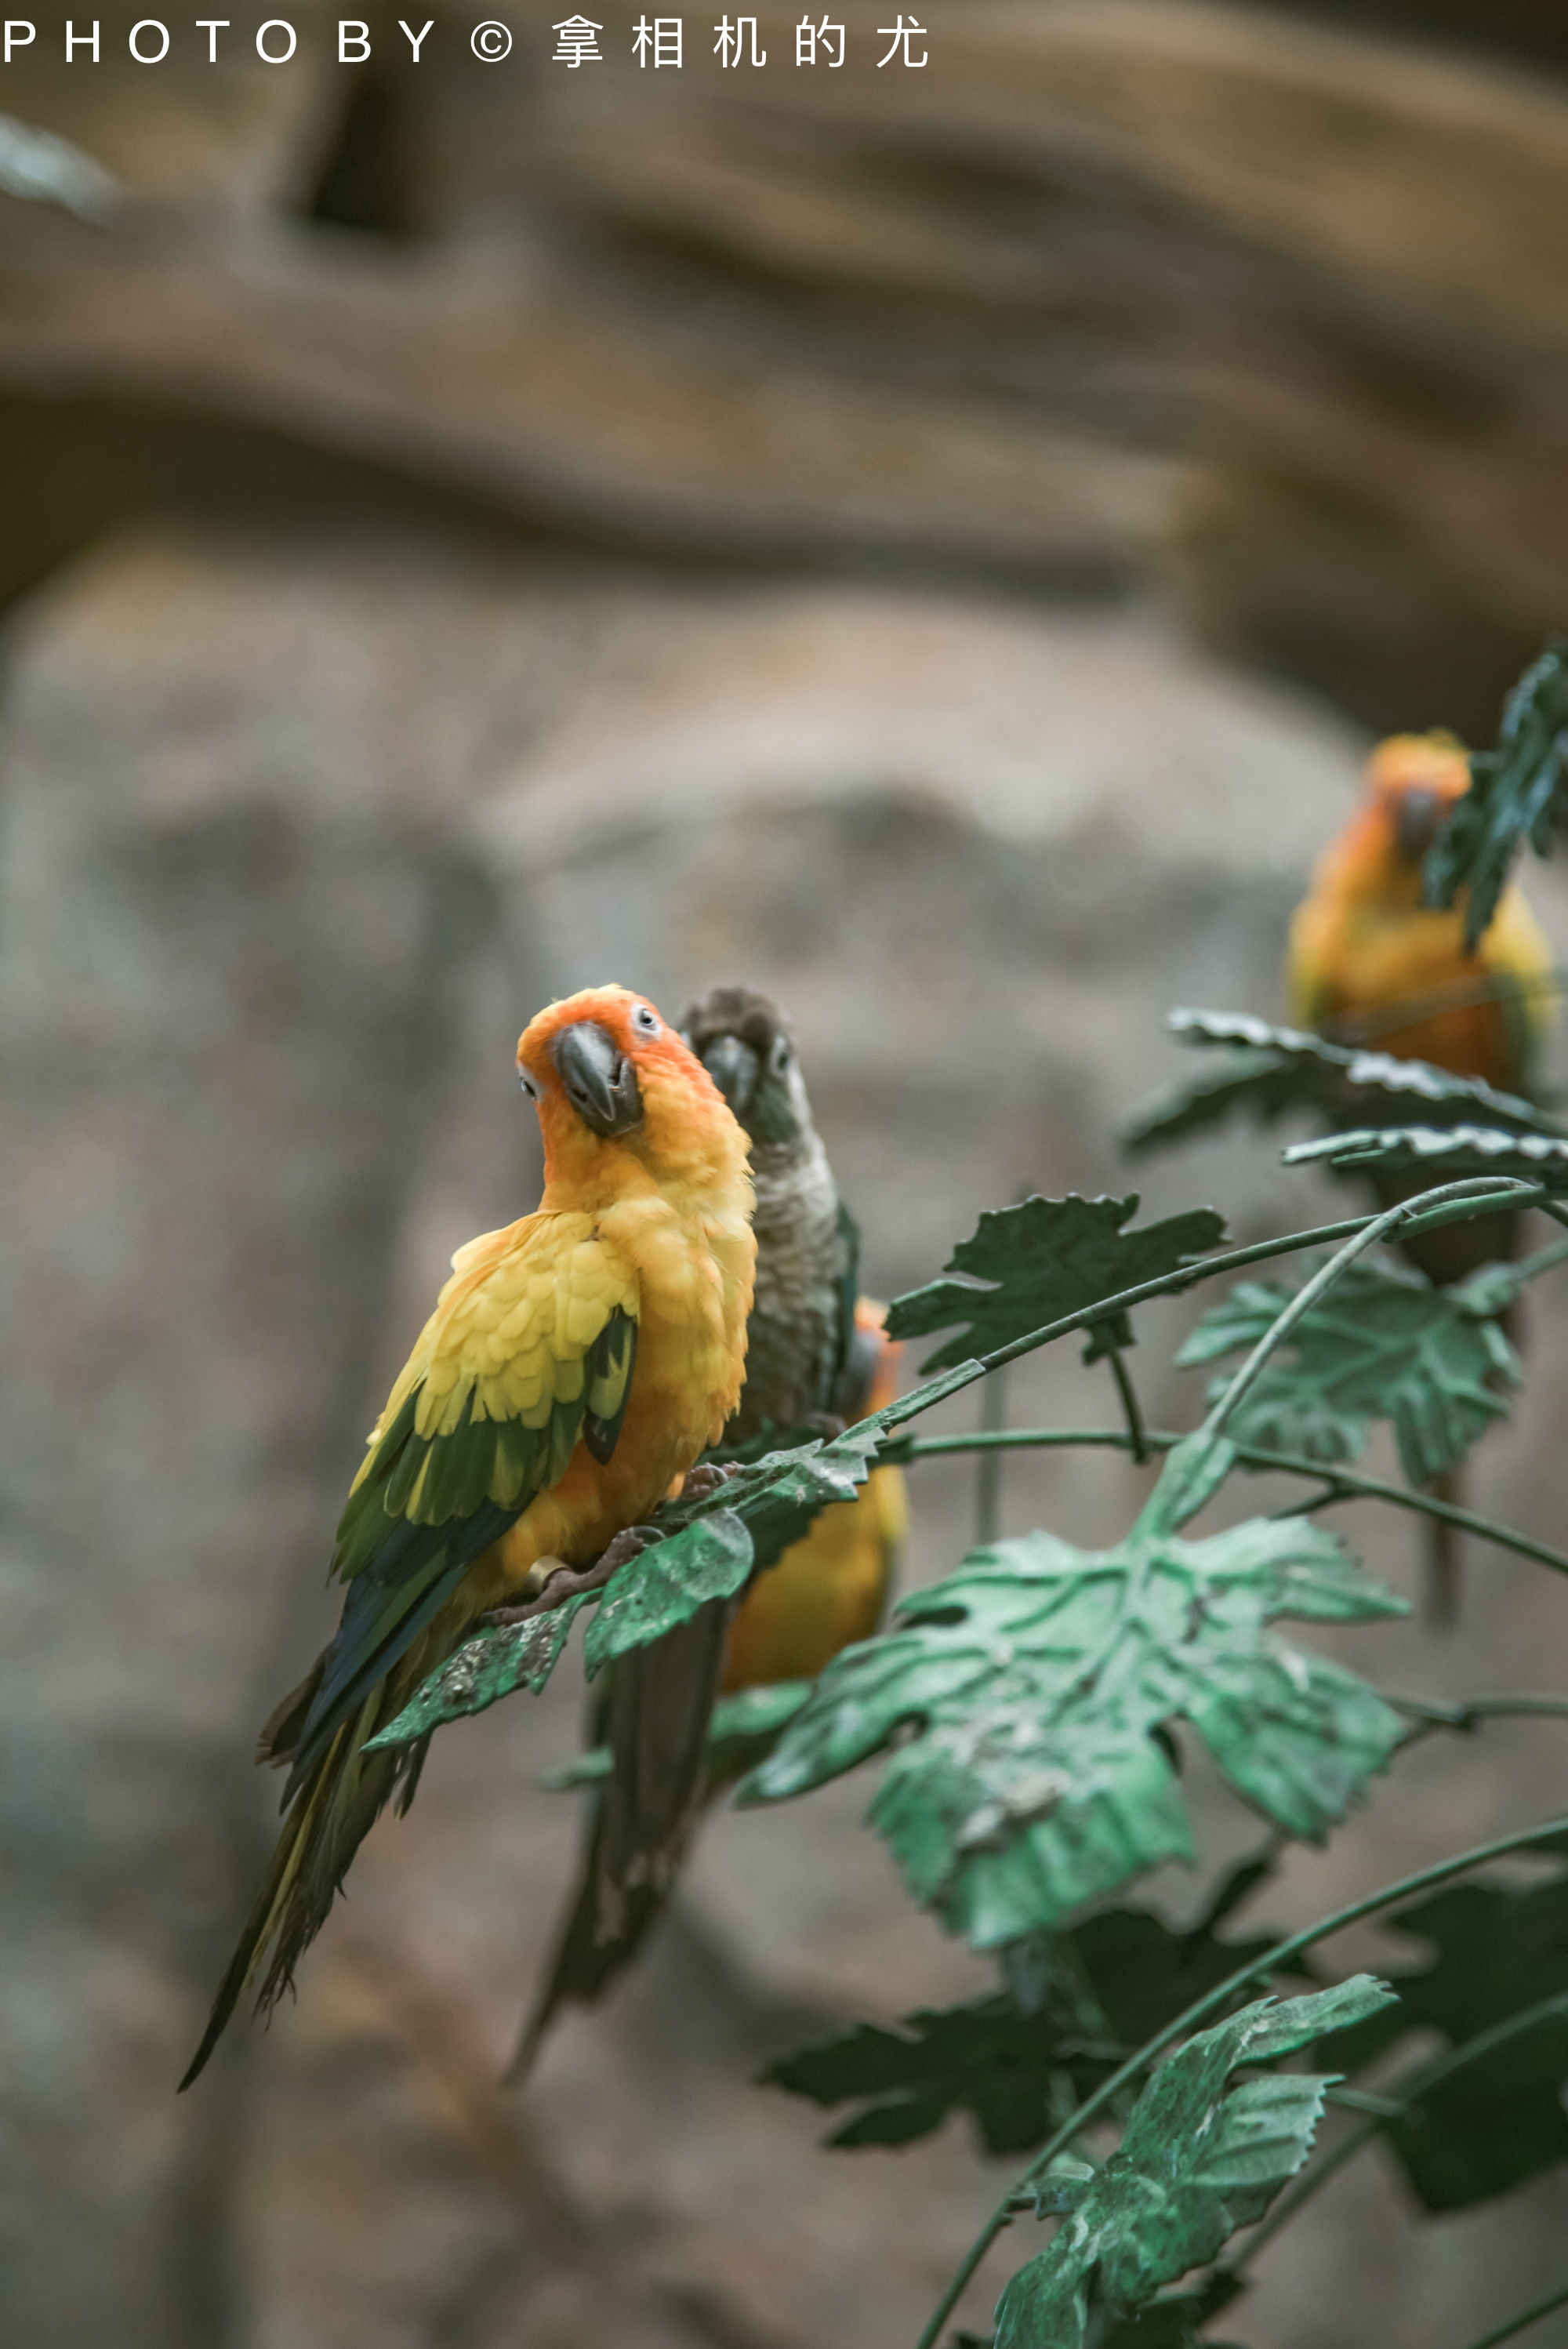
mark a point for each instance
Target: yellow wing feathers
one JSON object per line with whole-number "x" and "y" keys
{"x": 531, "y": 1347}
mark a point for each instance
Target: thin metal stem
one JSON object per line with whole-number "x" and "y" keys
{"x": 1341, "y": 1484}
{"x": 1300, "y": 1305}
{"x": 988, "y": 1475}
{"x": 1137, "y": 1441}
{"x": 1464, "y": 1713}
{"x": 1523, "y": 2321}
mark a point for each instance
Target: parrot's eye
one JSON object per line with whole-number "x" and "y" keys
{"x": 644, "y": 1021}
{"x": 528, "y": 1086}
{"x": 781, "y": 1056}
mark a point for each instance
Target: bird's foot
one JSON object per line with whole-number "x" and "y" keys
{"x": 563, "y": 1582}
{"x": 704, "y": 1480}
{"x": 629, "y": 1543}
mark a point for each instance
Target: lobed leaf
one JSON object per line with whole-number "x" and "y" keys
{"x": 1514, "y": 796}
{"x": 492, "y": 1664}
{"x": 1027, "y": 1698}
{"x": 1269, "y": 1072}
{"x": 1385, "y": 1344}
{"x": 713, "y": 1544}
{"x": 665, "y": 1585}
{"x": 1042, "y": 1261}
{"x": 1201, "y": 2156}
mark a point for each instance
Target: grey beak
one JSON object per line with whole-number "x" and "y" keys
{"x": 1417, "y": 825}
{"x": 733, "y": 1066}
{"x": 601, "y": 1082}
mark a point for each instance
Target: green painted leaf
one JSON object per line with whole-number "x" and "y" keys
{"x": 1202, "y": 2156}
{"x": 492, "y": 1664}
{"x": 1384, "y": 1344}
{"x": 1097, "y": 1994}
{"x": 711, "y": 1546}
{"x": 778, "y": 1496}
{"x": 1042, "y": 1261}
{"x": 1514, "y": 796}
{"x": 1442, "y": 1156}
{"x": 665, "y": 1585}
{"x": 1268, "y": 1073}
{"x": 1486, "y": 2112}
{"x": 1024, "y": 1701}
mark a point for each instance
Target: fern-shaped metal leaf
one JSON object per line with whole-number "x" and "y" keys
{"x": 1443, "y": 1154}
{"x": 1024, "y": 1700}
{"x": 1384, "y": 1344}
{"x": 1267, "y": 1072}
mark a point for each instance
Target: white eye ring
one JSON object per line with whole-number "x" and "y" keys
{"x": 528, "y": 1086}
{"x": 781, "y": 1055}
{"x": 643, "y": 1018}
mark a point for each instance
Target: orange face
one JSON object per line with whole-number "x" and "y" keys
{"x": 1413, "y": 782}
{"x": 607, "y": 1074}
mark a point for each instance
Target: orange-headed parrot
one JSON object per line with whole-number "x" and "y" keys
{"x": 1363, "y": 948}
{"x": 809, "y": 1366}
{"x": 575, "y": 1367}
{"x": 1369, "y": 963}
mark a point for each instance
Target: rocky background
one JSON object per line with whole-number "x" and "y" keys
{"x": 931, "y": 545}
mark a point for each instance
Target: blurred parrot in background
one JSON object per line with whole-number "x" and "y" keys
{"x": 815, "y": 1359}
{"x": 1369, "y": 963}
{"x": 576, "y": 1364}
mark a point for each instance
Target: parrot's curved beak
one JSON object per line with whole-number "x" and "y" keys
{"x": 1417, "y": 824}
{"x": 733, "y": 1066}
{"x": 601, "y": 1082}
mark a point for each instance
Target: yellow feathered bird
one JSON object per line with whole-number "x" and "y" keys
{"x": 815, "y": 1359}
{"x": 1368, "y": 963}
{"x": 575, "y": 1365}
{"x": 1364, "y": 950}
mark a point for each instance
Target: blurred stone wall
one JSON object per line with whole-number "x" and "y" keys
{"x": 482, "y": 537}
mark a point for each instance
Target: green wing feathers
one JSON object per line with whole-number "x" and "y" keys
{"x": 531, "y": 1349}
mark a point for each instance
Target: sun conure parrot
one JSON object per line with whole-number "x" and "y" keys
{"x": 808, "y": 1365}
{"x": 575, "y": 1366}
{"x": 1369, "y": 963}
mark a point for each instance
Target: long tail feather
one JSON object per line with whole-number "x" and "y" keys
{"x": 660, "y": 1700}
{"x": 328, "y": 1817}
